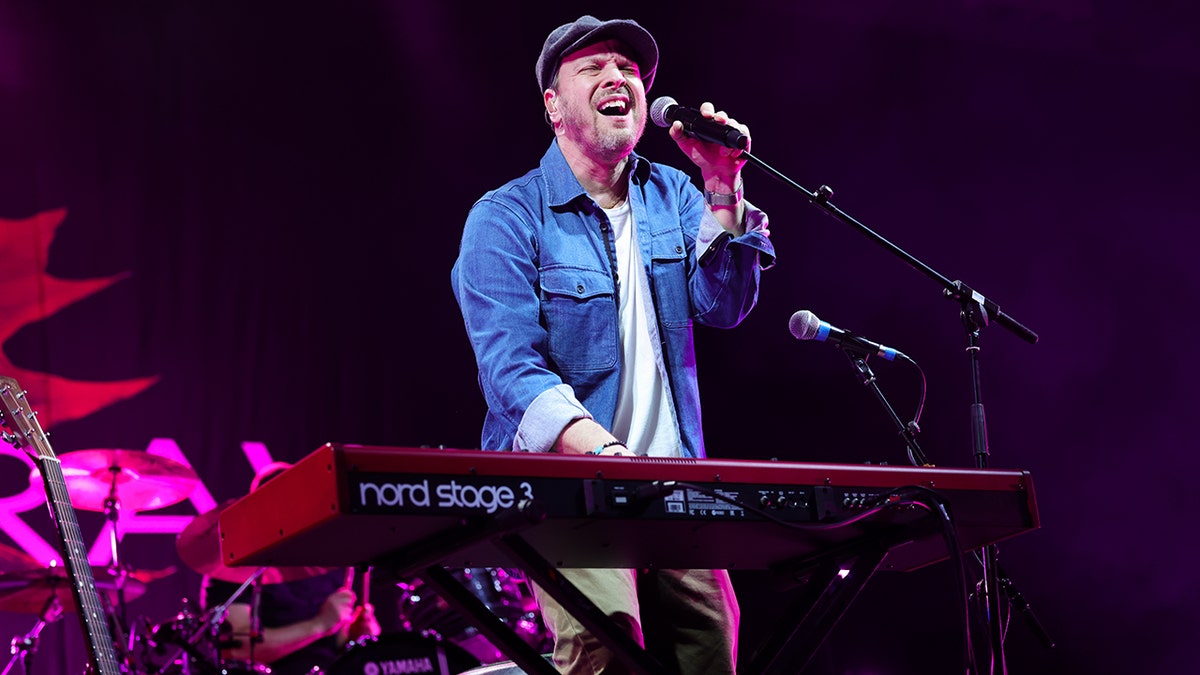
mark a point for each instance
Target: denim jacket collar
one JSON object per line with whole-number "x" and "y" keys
{"x": 562, "y": 187}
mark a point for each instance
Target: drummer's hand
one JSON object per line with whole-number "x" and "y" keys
{"x": 364, "y": 623}
{"x": 337, "y": 611}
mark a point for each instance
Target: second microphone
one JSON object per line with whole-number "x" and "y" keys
{"x": 805, "y": 325}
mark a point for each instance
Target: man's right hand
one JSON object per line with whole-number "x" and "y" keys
{"x": 583, "y": 435}
{"x": 338, "y": 610}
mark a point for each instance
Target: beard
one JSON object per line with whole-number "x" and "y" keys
{"x": 587, "y": 128}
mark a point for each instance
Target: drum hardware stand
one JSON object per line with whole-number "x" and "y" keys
{"x": 122, "y": 637}
{"x": 112, "y": 513}
{"x": 255, "y": 636}
{"x": 25, "y": 646}
{"x": 117, "y": 568}
{"x": 210, "y": 625}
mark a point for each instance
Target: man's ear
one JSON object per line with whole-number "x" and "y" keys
{"x": 550, "y": 99}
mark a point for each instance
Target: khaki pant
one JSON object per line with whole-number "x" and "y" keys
{"x": 687, "y": 619}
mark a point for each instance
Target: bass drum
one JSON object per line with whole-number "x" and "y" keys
{"x": 236, "y": 667}
{"x": 500, "y": 668}
{"x": 395, "y": 653}
{"x": 504, "y": 592}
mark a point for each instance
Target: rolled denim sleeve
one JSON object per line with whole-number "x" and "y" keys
{"x": 724, "y": 286}
{"x": 756, "y": 236}
{"x": 546, "y": 417}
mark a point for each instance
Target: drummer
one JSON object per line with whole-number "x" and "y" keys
{"x": 305, "y": 623}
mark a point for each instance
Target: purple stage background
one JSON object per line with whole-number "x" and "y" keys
{"x": 279, "y": 189}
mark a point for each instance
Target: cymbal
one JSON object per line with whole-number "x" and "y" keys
{"x": 27, "y": 591}
{"x": 144, "y": 482}
{"x": 146, "y": 576}
{"x": 199, "y": 547}
{"x": 15, "y": 560}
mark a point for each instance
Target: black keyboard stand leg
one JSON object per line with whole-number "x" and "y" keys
{"x": 496, "y": 631}
{"x": 545, "y": 575}
{"x": 813, "y": 615}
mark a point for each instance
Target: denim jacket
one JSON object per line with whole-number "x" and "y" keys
{"x": 535, "y": 283}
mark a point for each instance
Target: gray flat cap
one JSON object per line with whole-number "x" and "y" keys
{"x": 586, "y": 30}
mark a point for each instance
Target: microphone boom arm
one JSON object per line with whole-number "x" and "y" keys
{"x": 955, "y": 290}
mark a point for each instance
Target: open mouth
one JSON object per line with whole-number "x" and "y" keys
{"x": 614, "y": 107}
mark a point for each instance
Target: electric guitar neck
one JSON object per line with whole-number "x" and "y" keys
{"x": 25, "y": 432}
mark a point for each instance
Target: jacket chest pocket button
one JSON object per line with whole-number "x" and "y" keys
{"x": 579, "y": 289}
{"x": 679, "y": 249}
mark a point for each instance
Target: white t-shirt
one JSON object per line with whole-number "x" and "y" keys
{"x": 644, "y": 418}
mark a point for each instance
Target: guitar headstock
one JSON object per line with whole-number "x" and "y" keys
{"x": 21, "y": 426}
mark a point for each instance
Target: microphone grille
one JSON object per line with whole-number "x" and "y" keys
{"x": 804, "y": 325}
{"x": 658, "y": 110}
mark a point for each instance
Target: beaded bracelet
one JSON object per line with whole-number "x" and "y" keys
{"x": 600, "y": 448}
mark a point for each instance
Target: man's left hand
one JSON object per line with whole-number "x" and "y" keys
{"x": 718, "y": 164}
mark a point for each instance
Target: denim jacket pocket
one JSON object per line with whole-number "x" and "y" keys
{"x": 668, "y": 270}
{"x": 579, "y": 307}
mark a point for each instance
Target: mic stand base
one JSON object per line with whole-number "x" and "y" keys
{"x": 1019, "y": 603}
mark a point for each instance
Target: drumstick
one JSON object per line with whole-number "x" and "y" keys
{"x": 348, "y": 584}
{"x": 366, "y": 587}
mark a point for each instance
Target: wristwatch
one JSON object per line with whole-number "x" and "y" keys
{"x": 724, "y": 198}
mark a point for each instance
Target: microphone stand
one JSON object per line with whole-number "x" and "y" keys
{"x": 974, "y": 318}
{"x": 858, "y": 359}
{"x": 976, "y": 312}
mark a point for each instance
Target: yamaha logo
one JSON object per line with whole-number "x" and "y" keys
{"x": 421, "y": 664}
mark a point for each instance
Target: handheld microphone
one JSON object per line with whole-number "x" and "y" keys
{"x": 806, "y": 326}
{"x": 666, "y": 110}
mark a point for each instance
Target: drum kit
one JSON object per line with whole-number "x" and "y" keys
{"x": 192, "y": 642}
